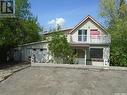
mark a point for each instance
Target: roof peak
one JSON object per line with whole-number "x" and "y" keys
{"x": 85, "y": 19}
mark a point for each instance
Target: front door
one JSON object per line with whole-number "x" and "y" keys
{"x": 80, "y": 56}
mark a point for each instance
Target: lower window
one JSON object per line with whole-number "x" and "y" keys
{"x": 96, "y": 53}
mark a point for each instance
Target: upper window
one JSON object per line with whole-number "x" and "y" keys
{"x": 82, "y": 35}
{"x": 96, "y": 53}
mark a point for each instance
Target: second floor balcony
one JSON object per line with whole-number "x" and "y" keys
{"x": 104, "y": 39}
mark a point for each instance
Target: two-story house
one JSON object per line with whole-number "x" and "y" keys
{"x": 89, "y": 40}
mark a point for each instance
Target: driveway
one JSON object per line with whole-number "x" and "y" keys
{"x": 63, "y": 81}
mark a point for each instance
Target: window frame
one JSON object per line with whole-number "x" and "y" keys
{"x": 82, "y": 35}
{"x": 96, "y": 51}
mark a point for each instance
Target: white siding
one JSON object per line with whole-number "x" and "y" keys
{"x": 26, "y": 51}
{"x": 87, "y": 26}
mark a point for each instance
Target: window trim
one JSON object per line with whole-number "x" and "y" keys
{"x": 82, "y": 35}
{"x": 97, "y": 58}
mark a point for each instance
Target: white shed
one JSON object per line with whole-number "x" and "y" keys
{"x": 37, "y": 49}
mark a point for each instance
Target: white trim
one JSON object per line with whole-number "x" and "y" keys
{"x": 46, "y": 33}
{"x": 85, "y": 57}
{"x": 92, "y": 20}
{"x": 33, "y": 43}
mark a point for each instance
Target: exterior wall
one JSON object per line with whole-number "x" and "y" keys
{"x": 102, "y": 62}
{"x": 88, "y": 25}
{"x": 80, "y": 61}
{"x": 95, "y": 63}
{"x": 106, "y": 55}
{"x": 17, "y": 55}
{"x": 26, "y": 51}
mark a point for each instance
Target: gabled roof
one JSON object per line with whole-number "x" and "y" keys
{"x": 84, "y": 20}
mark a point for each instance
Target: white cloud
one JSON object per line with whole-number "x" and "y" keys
{"x": 52, "y": 22}
{"x": 57, "y": 21}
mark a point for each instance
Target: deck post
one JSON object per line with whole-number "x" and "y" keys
{"x": 85, "y": 57}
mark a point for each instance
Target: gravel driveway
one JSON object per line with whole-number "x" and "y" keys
{"x": 63, "y": 81}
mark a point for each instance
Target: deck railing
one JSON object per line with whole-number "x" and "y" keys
{"x": 105, "y": 39}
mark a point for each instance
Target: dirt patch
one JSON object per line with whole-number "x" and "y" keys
{"x": 8, "y": 71}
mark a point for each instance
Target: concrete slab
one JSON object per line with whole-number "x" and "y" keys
{"x": 64, "y": 81}
{"x": 78, "y": 66}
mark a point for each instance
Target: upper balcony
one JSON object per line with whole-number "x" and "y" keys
{"x": 104, "y": 39}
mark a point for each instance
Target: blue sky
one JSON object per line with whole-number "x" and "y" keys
{"x": 72, "y": 11}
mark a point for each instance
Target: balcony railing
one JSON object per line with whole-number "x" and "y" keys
{"x": 105, "y": 39}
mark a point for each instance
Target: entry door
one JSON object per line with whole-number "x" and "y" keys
{"x": 87, "y": 53}
{"x": 81, "y": 57}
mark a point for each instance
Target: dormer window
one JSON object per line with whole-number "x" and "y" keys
{"x": 82, "y": 35}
